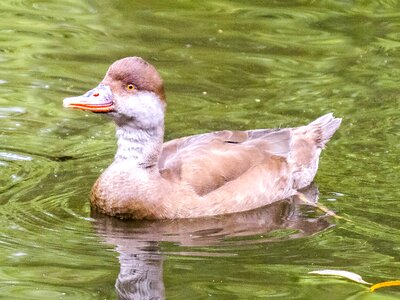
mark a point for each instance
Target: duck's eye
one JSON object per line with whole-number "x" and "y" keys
{"x": 130, "y": 87}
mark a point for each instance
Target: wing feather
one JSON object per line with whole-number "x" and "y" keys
{"x": 208, "y": 161}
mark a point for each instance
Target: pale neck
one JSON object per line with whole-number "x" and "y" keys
{"x": 139, "y": 146}
{"x": 140, "y": 129}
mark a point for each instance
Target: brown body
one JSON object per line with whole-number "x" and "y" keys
{"x": 208, "y": 174}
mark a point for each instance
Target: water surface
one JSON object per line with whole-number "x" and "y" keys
{"x": 226, "y": 64}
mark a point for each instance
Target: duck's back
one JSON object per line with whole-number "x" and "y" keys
{"x": 208, "y": 161}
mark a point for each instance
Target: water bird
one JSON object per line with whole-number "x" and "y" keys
{"x": 201, "y": 175}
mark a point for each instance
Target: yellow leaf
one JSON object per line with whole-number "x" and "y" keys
{"x": 384, "y": 284}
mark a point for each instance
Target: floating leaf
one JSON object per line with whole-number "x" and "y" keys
{"x": 384, "y": 284}
{"x": 346, "y": 274}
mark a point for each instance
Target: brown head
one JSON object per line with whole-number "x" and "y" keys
{"x": 132, "y": 74}
{"x": 132, "y": 89}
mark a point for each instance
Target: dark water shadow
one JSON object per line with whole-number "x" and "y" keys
{"x": 138, "y": 242}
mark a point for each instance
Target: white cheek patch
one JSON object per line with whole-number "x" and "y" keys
{"x": 145, "y": 108}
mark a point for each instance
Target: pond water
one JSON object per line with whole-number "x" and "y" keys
{"x": 226, "y": 65}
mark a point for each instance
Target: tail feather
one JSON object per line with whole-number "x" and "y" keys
{"x": 307, "y": 143}
{"x": 326, "y": 126}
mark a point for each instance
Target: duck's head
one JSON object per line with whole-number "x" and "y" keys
{"x": 131, "y": 91}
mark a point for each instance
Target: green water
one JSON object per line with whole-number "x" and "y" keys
{"x": 226, "y": 65}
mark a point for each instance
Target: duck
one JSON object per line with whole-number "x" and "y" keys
{"x": 202, "y": 175}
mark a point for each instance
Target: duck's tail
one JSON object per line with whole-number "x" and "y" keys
{"x": 326, "y": 126}
{"x": 306, "y": 146}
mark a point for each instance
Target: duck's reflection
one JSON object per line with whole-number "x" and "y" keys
{"x": 141, "y": 273}
{"x": 141, "y": 261}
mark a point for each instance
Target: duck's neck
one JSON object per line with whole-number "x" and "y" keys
{"x": 140, "y": 129}
{"x": 137, "y": 146}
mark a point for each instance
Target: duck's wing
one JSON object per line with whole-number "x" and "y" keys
{"x": 209, "y": 161}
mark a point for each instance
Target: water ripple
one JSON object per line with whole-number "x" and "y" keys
{"x": 226, "y": 64}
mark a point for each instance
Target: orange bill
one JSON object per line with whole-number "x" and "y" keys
{"x": 100, "y": 99}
